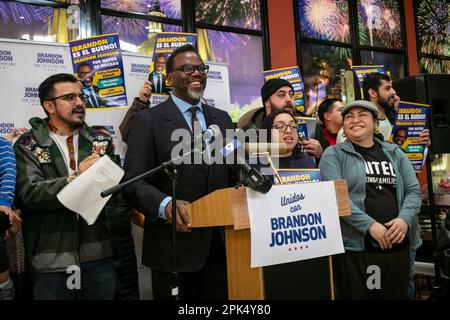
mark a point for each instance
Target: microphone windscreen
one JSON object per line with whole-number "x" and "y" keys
{"x": 261, "y": 148}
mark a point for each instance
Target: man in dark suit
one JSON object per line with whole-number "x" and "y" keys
{"x": 200, "y": 253}
{"x": 156, "y": 77}
{"x": 85, "y": 74}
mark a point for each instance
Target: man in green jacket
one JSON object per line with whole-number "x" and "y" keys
{"x": 68, "y": 258}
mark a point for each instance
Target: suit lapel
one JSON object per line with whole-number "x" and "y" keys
{"x": 173, "y": 116}
{"x": 210, "y": 116}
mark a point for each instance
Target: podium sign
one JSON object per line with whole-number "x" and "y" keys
{"x": 228, "y": 208}
{"x": 294, "y": 222}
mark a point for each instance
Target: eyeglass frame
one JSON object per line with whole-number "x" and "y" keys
{"x": 83, "y": 97}
{"x": 286, "y": 126}
{"x": 196, "y": 67}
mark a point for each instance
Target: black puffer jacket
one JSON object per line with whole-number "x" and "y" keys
{"x": 119, "y": 226}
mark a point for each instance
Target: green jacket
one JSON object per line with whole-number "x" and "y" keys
{"x": 257, "y": 120}
{"x": 341, "y": 161}
{"x": 56, "y": 237}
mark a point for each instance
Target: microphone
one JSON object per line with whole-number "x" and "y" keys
{"x": 208, "y": 134}
{"x": 213, "y": 131}
{"x": 251, "y": 177}
{"x": 265, "y": 148}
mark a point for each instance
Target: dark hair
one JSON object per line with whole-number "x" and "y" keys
{"x": 160, "y": 55}
{"x": 373, "y": 81}
{"x": 84, "y": 64}
{"x": 47, "y": 89}
{"x": 326, "y": 106}
{"x": 395, "y": 133}
{"x": 182, "y": 49}
{"x": 268, "y": 125}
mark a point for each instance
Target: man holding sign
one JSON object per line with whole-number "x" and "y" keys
{"x": 378, "y": 89}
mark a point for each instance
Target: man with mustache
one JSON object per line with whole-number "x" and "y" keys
{"x": 277, "y": 95}
{"x": 200, "y": 253}
{"x": 378, "y": 89}
{"x": 53, "y": 153}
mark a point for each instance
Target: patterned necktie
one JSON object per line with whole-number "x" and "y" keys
{"x": 71, "y": 149}
{"x": 195, "y": 124}
{"x": 70, "y": 146}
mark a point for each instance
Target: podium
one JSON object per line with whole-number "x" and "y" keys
{"x": 228, "y": 208}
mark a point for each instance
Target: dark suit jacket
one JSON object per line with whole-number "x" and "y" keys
{"x": 165, "y": 89}
{"x": 149, "y": 144}
{"x": 102, "y": 102}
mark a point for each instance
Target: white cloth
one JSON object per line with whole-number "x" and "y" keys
{"x": 82, "y": 195}
{"x": 385, "y": 128}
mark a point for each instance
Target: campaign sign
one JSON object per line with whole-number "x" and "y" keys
{"x": 294, "y": 222}
{"x": 97, "y": 62}
{"x": 298, "y": 175}
{"x": 362, "y": 71}
{"x": 293, "y": 75}
{"x": 306, "y": 127}
{"x": 157, "y": 99}
{"x": 411, "y": 120}
{"x": 165, "y": 44}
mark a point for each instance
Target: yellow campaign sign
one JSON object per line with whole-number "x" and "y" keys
{"x": 111, "y": 91}
{"x": 415, "y": 156}
{"x": 109, "y": 73}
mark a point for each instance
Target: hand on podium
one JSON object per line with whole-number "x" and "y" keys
{"x": 183, "y": 223}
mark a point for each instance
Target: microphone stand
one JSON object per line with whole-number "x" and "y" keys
{"x": 172, "y": 172}
{"x": 170, "y": 168}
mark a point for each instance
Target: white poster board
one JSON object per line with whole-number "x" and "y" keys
{"x": 25, "y": 64}
{"x": 294, "y": 222}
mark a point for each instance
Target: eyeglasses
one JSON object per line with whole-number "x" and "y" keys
{"x": 190, "y": 68}
{"x": 282, "y": 127}
{"x": 72, "y": 97}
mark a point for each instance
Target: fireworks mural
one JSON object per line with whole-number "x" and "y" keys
{"x": 322, "y": 71}
{"x": 23, "y": 14}
{"x": 435, "y": 66}
{"x": 19, "y": 19}
{"x": 135, "y": 31}
{"x": 170, "y": 8}
{"x": 394, "y": 63}
{"x": 235, "y": 13}
{"x": 243, "y": 53}
{"x": 433, "y": 20}
{"x": 324, "y": 19}
{"x": 379, "y": 23}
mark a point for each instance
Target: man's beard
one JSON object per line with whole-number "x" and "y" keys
{"x": 384, "y": 103}
{"x": 287, "y": 107}
{"x": 388, "y": 108}
{"x": 86, "y": 82}
{"x": 196, "y": 95}
{"x": 75, "y": 125}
